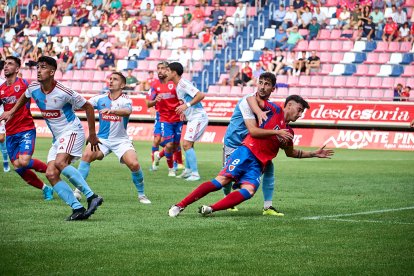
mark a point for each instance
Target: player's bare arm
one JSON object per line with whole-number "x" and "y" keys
{"x": 257, "y": 132}
{"x": 153, "y": 102}
{"x": 319, "y": 153}
{"x": 197, "y": 98}
{"x": 254, "y": 106}
{"x": 90, "y": 117}
{"x": 7, "y": 115}
{"x": 123, "y": 112}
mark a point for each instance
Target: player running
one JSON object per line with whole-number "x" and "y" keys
{"x": 57, "y": 104}
{"x": 195, "y": 114}
{"x": 114, "y": 111}
{"x": 166, "y": 101}
{"x": 3, "y": 147}
{"x": 20, "y": 129}
{"x": 246, "y": 163}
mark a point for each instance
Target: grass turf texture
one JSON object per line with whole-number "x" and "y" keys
{"x": 125, "y": 237}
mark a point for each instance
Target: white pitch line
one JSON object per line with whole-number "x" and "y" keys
{"x": 360, "y": 213}
{"x": 371, "y": 221}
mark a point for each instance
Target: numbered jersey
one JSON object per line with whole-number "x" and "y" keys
{"x": 265, "y": 149}
{"x": 110, "y": 125}
{"x": 58, "y": 107}
{"x": 186, "y": 92}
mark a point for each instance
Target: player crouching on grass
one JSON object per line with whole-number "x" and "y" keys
{"x": 245, "y": 165}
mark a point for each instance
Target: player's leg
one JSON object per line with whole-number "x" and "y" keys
{"x": 155, "y": 144}
{"x": 227, "y": 151}
{"x": 130, "y": 159}
{"x": 3, "y": 148}
{"x": 167, "y": 139}
{"x": 177, "y": 156}
{"x": 268, "y": 182}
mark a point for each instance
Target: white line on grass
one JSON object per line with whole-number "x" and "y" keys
{"x": 371, "y": 221}
{"x": 360, "y": 213}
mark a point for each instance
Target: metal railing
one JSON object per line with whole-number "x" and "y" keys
{"x": 204, "y": 80}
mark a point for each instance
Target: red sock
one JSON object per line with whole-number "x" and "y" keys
{"x": 201, "y": 191}
{"x": 229, "y": 201}
{"x": 162, "y": 153}
{"x": 170, "y": 161}
{"x": 32, "y": 179}
{"x": 178, "y": 156}
{"x": 38, "y": 166}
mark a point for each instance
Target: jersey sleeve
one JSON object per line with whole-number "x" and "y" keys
{"x": 127, "y": 103}
{"x": 245, "y": 110}
{"x": 187, "y": 87}
{"x": 28, "y": 92}
{"x": 77, "y": 100}
{"x": 94, "y": 101}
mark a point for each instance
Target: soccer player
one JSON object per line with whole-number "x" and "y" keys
{"x": 171, "y": 124}
{"x": 114, "y": 111}
{"x": 57, "y": 104}
{"x": 3, "y": 148}
{"x": 195, "y": 114}
{"x": 242, "y": 122}
{"x": 20, "y": 129}
{"x": 247, "y": 162}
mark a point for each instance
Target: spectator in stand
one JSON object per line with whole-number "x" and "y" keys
{"x": 280, "y": 37}
{"x": 12, "y": 8}
{"x": 183, "y": 56}
{"x": 356, "y": 14}
{"x": 94, "y": 15}
{"x": 247, "y": 73}
{"x": 113, "y": 17}
{"x": 34, "y": 27}
{"x": 116, "y": 4}
{"x": 198, "y": 12}
{"x": 299, "y": 65}
{"x": 396, "y": 3}
{"x": 43, "y": 15}
{"x": 277, "y": 62}
{"x": 240, "y": 14}
{"x": 87, "y": 33}
{"x": 400, "y": 17}
{"x": 187, "y": 17}
{"x": 27, "y": 47}
{"x": 121, "y": 37}
{"x": 405, "y": 94}
{"x": 79, "y": 57}
{"x": 291, "y": 18}
{"x": 380, "y": 4}
{"x": 41, "y": 43}
{"x": 53, "y": 17}
{"x": 314, "y": 29}
{"x": 151, "y": 40}
{"x": 131, "y": 81}
{"x": 216, "y": 13}
{"x": 14, "y": 48}
{"x": 99, "y": 38}
{"x": 390, "y": 30}
{"x": 65, "y": 60}
{"x": 65, "y": 5}
{"x": 109, "y": 60}
{"x": 265, "y": 58}
{"x": 293, "y": 38}
{"x": 313, "y": 64}
{"x": 159, "y": 12}
{"x": 81, "y": 16}
{"x": 234, "y": 74}
{"x": 289, "y": 64}
{"x": 36, "y": 10}
{"x": 154, "y": 24}
{"x": 344, "y": 19}
{"x": 166, "y": 38}
{"x": 102, "y": 47}
{"x": 67, "y": 19}
{"x": 366, "y": 11}
{"x": 411, "y": 38}
{"x": 133, "y": 38}
{"x": 7, "y": 36}
{"x": 19, "y": 26}
{"x": 278, "y": 16}
{"x": 146, "y": 84}
{"x": 146, "y": 14}
{"x": 256, "y": 74}
{"x": 305, "y": 18}
{"x": 195, "y": 27}
{"x": 228, "y": 3}
{"x": 144, "y": 4}
{"x": 219, "y": 28}
{"x": 397, "y": 92}
{"x": 206, "y": 39}
{"x": 378, "y": 19}
{"x": 49, "y": 44}
{"x": 318, "y": 3}
{"x": 176, "y": 2}
{"x": 59, "y": 46}
{"x": 298, "y": 6}
{"x": 368, "y": 30}
{"x": 165, "y": 24}
{"x": 321, "y": 16}
{"x": 404, "y": 33}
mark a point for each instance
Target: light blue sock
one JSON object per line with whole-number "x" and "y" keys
{"x": 3, "y": 149}
{"x": 66, "y": 194}
{"x": 83, "y": 168}
{"x": 192, "y": 160}
{"x": 268, "y": 184}
{"x": 138, "y": 179}
{"x": 187, "y": 164}
{"x": 77, "y": 180}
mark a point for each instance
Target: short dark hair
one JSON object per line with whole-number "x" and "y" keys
{"x": 297, "y": 99}
{"x": 49, "y": 61}
{"x": 16, "y": 59}
{"x": 165, "y": 63}
{"x": 269, "y": 76}
{"x": 121, "y": 75}
{"x": 177, "y": 67}
{"x": 1, "y": 65}
{"x": 409, "y": 87}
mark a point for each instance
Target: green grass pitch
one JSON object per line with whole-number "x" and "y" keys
{"x": 361, "y": 202}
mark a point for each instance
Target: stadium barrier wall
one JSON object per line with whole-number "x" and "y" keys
{"x": 333, "y": 138}
{"x": 322, "y": 113}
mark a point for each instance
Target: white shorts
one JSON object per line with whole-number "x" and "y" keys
{"x": 195, "y": 128}
{"x": 2, "y": 127}
{"x": 70, "y": 142}
{"x": 118, "y": 146}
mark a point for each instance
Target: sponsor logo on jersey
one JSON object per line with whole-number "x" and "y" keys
{"x": 170, "y": 86}
{"x": 50, "y": 114}
{"x": 231, "y": 167}
{"x": 16, "y": 88}
{"x": 111, "y": 117}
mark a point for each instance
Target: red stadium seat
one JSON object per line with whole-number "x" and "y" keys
{"x": 282, "y": 79}
{"x": 405, "y": 47}
{"x": 154, "y": 55}
{"x": 337, "y": 57}
{"x": 347, "y": 45}
{"x": 365, "y": 94}
{"x": 326, "y": 69}
{"x": 317, "y": 80}
{"x": 58, "y": 75}
{"x": 143, "y": 65}
{"x": 363, "y": 82}
{"x": 318, "y": 92}
{"x": 326, "y": 57}
{"x": 383, "y": 58}
{"x": 372, "y": 58}
{"x": 382, "y": 46}
{"x": 99, "y": 76}
{"x": 353, "y": 93}
{"x": 324, "y": 34}
{"x": 339, "y": 81}
{"x": 236, "y": 91}
{"x": 327, "y": 81}
{"x": 75, "y": 31}
{"x": 251, "y": 89}
{"x": 90, "y": 64}
{"x": 335, "y": 34}
{"x": 281, "y": 92}
{"x": 88, "y": 75}
{"x": 393, "y": 47}
{"x": 97, "y": 86}
{"x": 76, "y": 85}
{"x": 294, "y": 91}
{"x": 362, "y": 70}
{"x": 351, "y": 82}
{"x": 377, "y": 94}
{"x": 302, "y": 45}
{"x": 87, "y": 87}
{"x": 374, "y": 69}
{"x": 213, "y": 90}
{"x": 408, "y": 71}
{"x": 325, "y": 45}
{"x": 341, "y": 92}
{"x": 375, "y": 82}
{"x": 313, "y": 45}
{"x": 68, "y": 75}
{"x": 304, "y": 81}
{"x": 388, "y": 83}
{"x": 225, "y": 90}
{"x": 152, "y": 66}
{"x": 64, "y": 31}
{"x": 293, "y": 81}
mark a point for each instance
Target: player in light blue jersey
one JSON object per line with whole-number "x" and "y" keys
{"x": 114, "y": 111}
{"x": 3, "y": 149}
{"x": 241, "y": 123}
{"x": 197, "y": 119}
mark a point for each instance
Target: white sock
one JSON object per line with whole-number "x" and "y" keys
{"x": 267, "y": 204}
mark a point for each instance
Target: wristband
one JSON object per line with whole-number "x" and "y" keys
{"x": 188, "y": 104}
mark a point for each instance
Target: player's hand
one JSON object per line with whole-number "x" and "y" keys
{"x": 182, "y": 117}
{"x": 105, "y": 111}
{"x": 181, "y": 108}
{"x": 94, "y": 141}
{"x": 6, "y": 116}
{"x": 158, "y": 98}
{"x": 262, "y": 116}
{"x": 285, "y": 135}
{"x": 323, "y": 153}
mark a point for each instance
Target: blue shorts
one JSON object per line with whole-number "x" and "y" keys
{"x": 171, "y": 132}
{"x": 22, "y": 143}
{"x": 243, "y": 167}
{"x": 157, "y": 125}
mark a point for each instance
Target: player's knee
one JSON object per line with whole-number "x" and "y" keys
{"x": 87, "y": 156}
{"x": 60, "y": 165}
{"x": 52, "y": 175}
{"x": 134, "y": 166}
{"x": 187, "y": 145}
{"x": 24, "y": 162}
{"x": 2, "y": 139}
